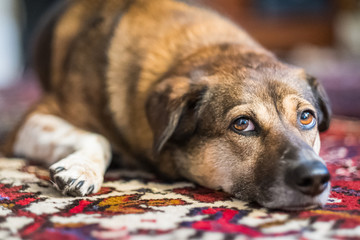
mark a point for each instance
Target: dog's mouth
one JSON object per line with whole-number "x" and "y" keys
{"x": 287, "y": 199}
{"x": 297, "y": 207}
{"x": 300, "y": 207}
{"x": 284, "y": 206}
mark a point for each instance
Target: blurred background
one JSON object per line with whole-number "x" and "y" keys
{"x": 323, "y": 36}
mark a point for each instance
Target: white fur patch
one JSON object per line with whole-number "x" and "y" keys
{"x": 317, "y": 144}
{"x": 81, "y": 157}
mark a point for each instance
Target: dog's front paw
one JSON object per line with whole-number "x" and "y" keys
{"x": 75, "y": 176}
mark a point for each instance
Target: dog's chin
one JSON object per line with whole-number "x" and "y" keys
{"x": 287, "y": 199}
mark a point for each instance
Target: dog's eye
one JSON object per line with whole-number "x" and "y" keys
{"x": 307, "y": 120}
{"x": 243, "y": 124}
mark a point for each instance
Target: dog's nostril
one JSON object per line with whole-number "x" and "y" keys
{"x": 305, "y": 182}
{"x": 310, "y": 178}
{"x": 326, "y": 178}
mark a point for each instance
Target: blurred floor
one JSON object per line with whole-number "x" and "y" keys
{"x": 14, "y": 101}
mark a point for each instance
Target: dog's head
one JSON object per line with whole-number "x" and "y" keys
{"x": 245, "y": 123}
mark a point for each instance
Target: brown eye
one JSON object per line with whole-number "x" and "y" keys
{"x": 307, "y": 120}
{"x": 243, "y": 125}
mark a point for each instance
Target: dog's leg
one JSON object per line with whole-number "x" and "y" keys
{"x": 80, "y": 157}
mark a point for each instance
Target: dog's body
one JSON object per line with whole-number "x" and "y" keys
{"x": 171, "y": 85}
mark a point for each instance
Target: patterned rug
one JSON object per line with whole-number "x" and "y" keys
{"x": 137, "y": 205}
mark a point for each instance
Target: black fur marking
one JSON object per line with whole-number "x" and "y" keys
{"x": 41, "y": 55}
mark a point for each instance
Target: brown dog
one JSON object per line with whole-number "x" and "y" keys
{"x": 182, "y": 90}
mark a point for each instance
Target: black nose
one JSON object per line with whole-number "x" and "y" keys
{"x": 309, "y": 177}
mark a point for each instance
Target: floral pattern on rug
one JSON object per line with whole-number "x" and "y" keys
{"x": 137, "y": 205}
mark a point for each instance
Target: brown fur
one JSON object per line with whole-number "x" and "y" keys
{"x": 162, "y": 81}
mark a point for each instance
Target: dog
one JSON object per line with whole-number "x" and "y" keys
{"x": 177, "y": 88}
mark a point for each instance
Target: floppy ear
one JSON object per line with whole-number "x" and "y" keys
{"x": 171, "y": 109}
{"x": 323, "y": 103}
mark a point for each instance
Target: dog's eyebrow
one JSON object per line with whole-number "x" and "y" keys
{"x": 299, "y": 101}
{"x": 243, "y": 107}
{"x": 228, "y": 108}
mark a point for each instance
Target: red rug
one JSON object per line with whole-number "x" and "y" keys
{"x": 136, "y": 205}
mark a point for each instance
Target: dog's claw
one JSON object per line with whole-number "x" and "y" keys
{"x": 71, "y": 181}
{"x": 79, "y": 185}
{"x": 90, "y": 189}
{"x": 59, "y": 169}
